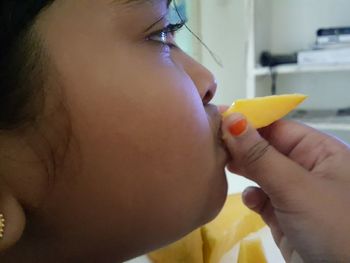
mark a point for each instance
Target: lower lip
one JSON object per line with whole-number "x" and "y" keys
{"x": 224, "y": 152}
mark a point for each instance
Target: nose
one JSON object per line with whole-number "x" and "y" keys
{"x": 203, "y": 79}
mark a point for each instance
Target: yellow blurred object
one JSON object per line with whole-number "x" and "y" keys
{"x": 234, "y": 223}
{"x": 262, "y": 111}
{"x": 187, "y": 250}
{"x": 212, "y": 241}
{"x": 251, "y": 251}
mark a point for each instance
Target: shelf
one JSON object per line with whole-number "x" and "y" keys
{"x": 271, "y": 25}
{"x": 326, "y": 122}
{"x": 295, "y": 69}
{"x": 329, "y": 126}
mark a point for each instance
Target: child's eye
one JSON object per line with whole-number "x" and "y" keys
{"x": 165, "y": 36}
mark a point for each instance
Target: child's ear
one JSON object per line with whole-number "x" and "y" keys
{"x": 12, "y": 221}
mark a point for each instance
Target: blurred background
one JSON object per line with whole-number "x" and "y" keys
{"x": 265, "y": 47}
{"x": 270, "y": 47}
{"x": 221, "y": 26}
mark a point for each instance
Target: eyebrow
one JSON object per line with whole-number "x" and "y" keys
{"x": 138, "y": 2}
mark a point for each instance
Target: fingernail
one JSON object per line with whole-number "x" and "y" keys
{"x": 238, "y": 127}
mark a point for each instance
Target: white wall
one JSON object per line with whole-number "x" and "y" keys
{"x": 222, "y": 29}
{"x": 184, "y": 38}
{"x": 220, "y": 25}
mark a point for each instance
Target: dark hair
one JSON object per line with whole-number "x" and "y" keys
{"x": 20, "y": 53}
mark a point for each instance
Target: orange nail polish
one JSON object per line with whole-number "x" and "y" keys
{"x": 238, "y": 127}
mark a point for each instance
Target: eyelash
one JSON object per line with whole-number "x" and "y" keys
{"x": 163, "y": 34}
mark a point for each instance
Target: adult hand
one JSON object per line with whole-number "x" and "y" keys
{"x": 304, "y": 177}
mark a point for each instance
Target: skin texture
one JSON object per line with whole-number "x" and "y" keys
{"x": 304, "y": 180}
{"x": 127, "y": 154}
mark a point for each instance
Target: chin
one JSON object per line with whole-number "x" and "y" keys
{"x": 216, "y": 197}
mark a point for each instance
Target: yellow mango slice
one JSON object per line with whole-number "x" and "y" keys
{"x": 251, "y": 251}
{"x": 234, "y": 223}
{"x": 187, "y": 250}
{"x": 262, "y": 111}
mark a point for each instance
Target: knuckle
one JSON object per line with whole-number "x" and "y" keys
{"x": 256, "y": 152}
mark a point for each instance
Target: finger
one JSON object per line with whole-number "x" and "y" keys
{"x": 255, "y": 199}
{"x": 285, "y": 135}
{"x": 255, "y": 159}
{"x": 258, "y": 201}
{"x": 304, "y": 145}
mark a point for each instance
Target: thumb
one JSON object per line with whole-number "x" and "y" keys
{"x": 254, "y": 158}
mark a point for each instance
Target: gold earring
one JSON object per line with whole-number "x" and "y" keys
{"x": 2, "y": 226}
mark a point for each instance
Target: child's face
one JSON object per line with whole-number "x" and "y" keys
{"x": 146, "y": 163}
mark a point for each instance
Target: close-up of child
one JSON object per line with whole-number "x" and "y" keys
{"x": 100, "y": 111}
{"x": 110, "y": 147}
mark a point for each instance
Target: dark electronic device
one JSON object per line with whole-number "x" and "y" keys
{"x": 333, "y": 31}
{"x": 269, "y": 60}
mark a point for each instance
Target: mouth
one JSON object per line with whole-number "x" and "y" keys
{"x": 214, "y": 117}
{"x": 215, "y": 120}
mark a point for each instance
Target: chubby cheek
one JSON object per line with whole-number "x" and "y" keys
{"x": 146, "y": 149}
{"x": 148, "y": 144}
{"x": 151, "y": 134}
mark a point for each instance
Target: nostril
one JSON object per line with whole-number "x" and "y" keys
{"x": 210, "y": 93}
{"x": 208, "y": 97}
